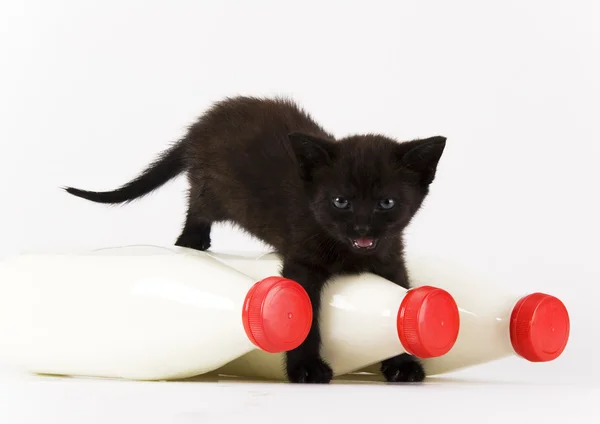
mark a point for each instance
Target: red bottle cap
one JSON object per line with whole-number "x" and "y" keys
{"x": 428, "y": 322}
{"x": 539, "y": 327}
{"x": 277, "y": 314}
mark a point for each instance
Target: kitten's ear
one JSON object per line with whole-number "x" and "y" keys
{"x": 311, "y": 152}
{"x": 423, "y": 156}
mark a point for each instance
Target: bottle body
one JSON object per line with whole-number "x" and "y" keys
{"x": 143, "y": 313}
{"x": 360, "y": 320}
{"x": 495, "y": 323}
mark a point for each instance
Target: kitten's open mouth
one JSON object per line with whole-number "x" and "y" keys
{"x": 364, "y": 243}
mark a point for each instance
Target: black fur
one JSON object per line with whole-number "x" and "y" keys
{"x": 169, "y": 165}
{"x": 320, "y": 202}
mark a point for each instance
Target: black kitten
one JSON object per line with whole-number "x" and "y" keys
{"x": 327, "y": 206}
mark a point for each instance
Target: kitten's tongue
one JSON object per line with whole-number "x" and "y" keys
{"x": 364, "y": 242}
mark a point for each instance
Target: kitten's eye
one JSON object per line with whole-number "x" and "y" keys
{"x": 341, "y": 203}
{"x": 386, "y": 204}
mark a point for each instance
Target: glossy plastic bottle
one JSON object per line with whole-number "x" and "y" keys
{"x": 364, "y": 319}
{"x": 146, "y": 313}
{"x": 495, "y": 323}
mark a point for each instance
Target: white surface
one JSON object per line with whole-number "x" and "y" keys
{"x": 92, "y": 91}
{"x": 66, "y": 401}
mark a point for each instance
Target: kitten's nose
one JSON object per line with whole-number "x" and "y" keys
{"x": 362, "y": 229}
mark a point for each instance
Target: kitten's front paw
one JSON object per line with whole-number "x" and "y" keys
{"x": 313, "y": 370}
{"x": 402, "y": 368}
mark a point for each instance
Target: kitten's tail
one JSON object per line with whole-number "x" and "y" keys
{"x": 166, "y": 167}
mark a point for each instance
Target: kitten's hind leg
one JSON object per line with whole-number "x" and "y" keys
{"x": 195, "y": 234}
{"x": 197, "y": 227}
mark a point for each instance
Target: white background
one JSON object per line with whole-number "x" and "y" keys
{"x": 91, "y": 91}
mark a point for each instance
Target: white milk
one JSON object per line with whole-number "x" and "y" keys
{"x": 494, "y": 323}
{"x": 364, "y": 319}
{"x": 145, "y": 313}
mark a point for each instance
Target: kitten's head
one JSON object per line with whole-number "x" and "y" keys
{"x": 364, "y": 190}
